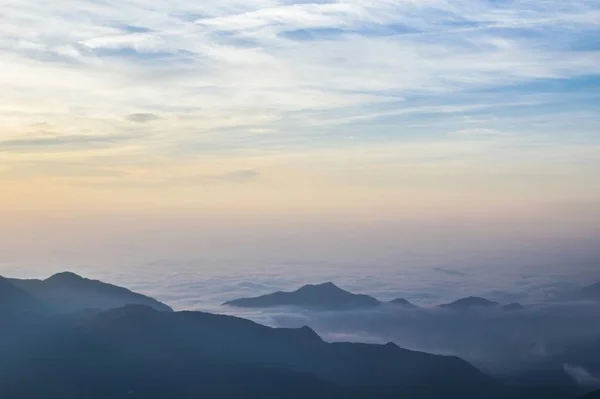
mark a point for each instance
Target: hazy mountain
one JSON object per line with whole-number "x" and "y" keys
{"x": 470, "y": 303}
{"x": 321, "y": 296}
{"x": 14, "y": 299}
{"x": 402, "y": 302}
{"x": 69, "y": 292}
{"x": 591, "y": 292}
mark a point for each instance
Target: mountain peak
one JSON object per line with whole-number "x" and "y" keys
{"x": 307, "y": 334}
{"x": 67, "y": 291}
{"x": 65, "y": 277}
{"x": 317, "y": 296}
{"x": 328, "y": 286}
{"x": 470, "y": 302}
{"x": 402, "y": 302}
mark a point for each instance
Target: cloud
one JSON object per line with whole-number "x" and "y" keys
{"x": 449, "y": 272}
{"x": 478, "y": 132}
{"x": 239, "y": 175}
{"x": 495, "y": 96}
{"x": 142, "y": 117}
{"x": 59, "y": 141}
{"x": 238, "y": 55}
{"x": 581, "y": 375}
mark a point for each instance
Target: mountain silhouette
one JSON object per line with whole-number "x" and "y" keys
{"x": 326, "y": 296}
{"x": 68, "y": 292}
{"x": 402, "y": 302}
{"x": 137, "y": 351}
{"x": 470, "y": 303}
{"x": 138, "y": 331}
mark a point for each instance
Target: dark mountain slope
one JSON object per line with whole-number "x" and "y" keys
{"x": 69, "y": 292}
{"x": 592, "y": 395}
{"x": 325, "y": 296}
{"x": 65, "y": 357}
{"x": 377, "y": 369}
{"x": 139, "y": 352}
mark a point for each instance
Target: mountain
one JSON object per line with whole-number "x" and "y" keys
{"x": 14, "y": 299}
{"x": 138, "y": 352}
{"x": 53, "y": 357}
{"x": 69, "y": 292}
{"x": 591, "y": 292}
{"x": 326, "y": 296}
{"x": 402, "y": 302}
{"x": 592, "y": 395}
{"x": 470, "y": 303}
{"x": 196, "y": 337}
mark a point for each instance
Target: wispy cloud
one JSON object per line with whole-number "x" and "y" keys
{"x": 142, "y": 117}
{"x": 177, "y": 81}
{"x": 48, "y": 143}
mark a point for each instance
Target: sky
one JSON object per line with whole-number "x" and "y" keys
{"x": 343, "y": 125}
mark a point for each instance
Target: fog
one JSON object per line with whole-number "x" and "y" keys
{"x": 494, "y": 339}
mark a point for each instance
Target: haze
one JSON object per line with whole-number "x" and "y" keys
{"x": 390, "y": 135}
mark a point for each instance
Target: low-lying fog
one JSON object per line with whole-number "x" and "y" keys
{"x": 494, "y": 339}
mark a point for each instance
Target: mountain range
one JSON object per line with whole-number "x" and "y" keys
{"x": 112, "y": 342}
{"x": 328, "y": 296}
{"x": 136, "y": 350}
{"x": 474, "y": 302}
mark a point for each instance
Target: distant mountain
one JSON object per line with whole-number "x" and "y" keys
{"x": 326, "y": 296}
{"x": 470, "y": 303}
{"x": 69, "y": 292}
{"x": 591, "y": 292}
{"x": 402, "y": 302}
{"x": 14, "y": 299}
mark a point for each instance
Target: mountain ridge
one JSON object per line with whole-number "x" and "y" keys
{"x": 15, "y": 299}
{"x": 326, "y": 296}
{"x": 67, "y": 292}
